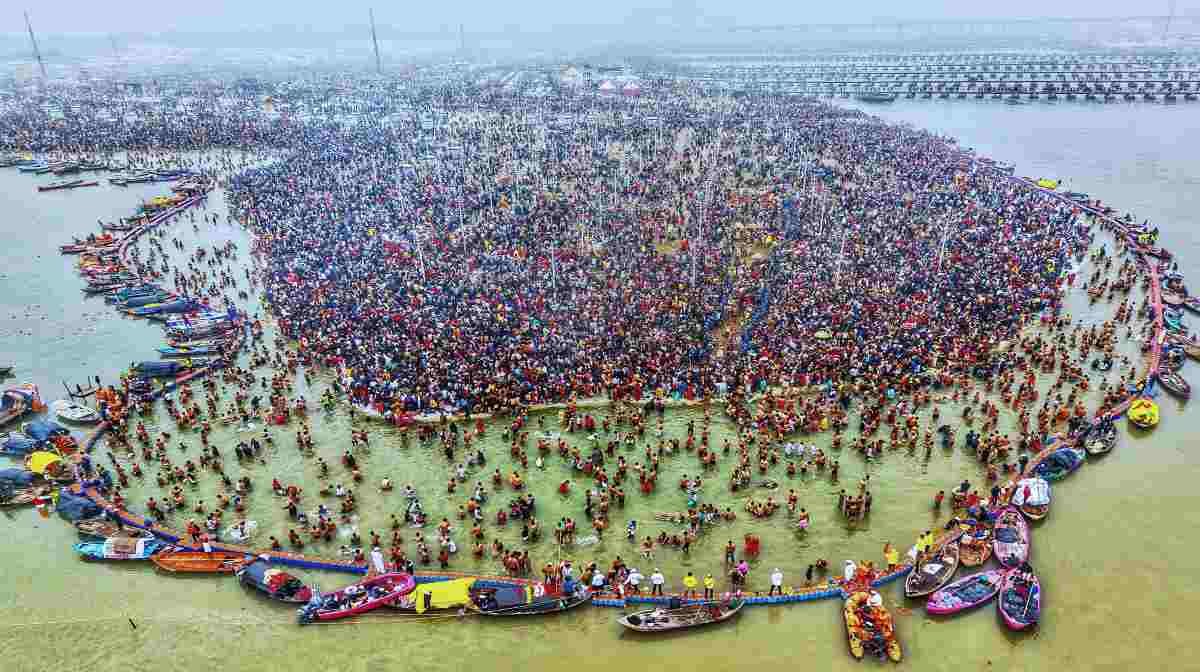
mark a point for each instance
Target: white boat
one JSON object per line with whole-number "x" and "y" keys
{"x": 73, "y": 412}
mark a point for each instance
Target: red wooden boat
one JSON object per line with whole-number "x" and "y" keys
{"x": 358, "y": 598}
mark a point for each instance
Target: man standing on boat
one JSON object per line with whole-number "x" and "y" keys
{"x": 776, "y": 582}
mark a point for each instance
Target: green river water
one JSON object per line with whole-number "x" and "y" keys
{"x": 1116, "y": 556}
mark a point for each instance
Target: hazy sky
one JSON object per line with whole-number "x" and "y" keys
{"x": 124, "y": 16}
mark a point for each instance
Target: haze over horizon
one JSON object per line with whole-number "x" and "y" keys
{"x": 67, "y": 17}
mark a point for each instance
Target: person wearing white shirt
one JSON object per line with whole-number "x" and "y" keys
{"x": 377, "y": 562}
{"x": 776, "y": 582}
{"x": 634, "y": 581}
{"x": 656, "y": 582}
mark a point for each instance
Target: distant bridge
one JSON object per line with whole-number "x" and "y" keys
{"x": 965, "y": 25}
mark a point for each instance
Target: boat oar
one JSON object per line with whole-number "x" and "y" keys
{"x": 1027, "y": 601}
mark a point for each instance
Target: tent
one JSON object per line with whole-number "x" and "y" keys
{"x": 632, "y": 89}
{"x": 607, "y": 87}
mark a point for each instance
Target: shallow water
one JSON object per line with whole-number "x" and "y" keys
{"x": 1116, "y": 555}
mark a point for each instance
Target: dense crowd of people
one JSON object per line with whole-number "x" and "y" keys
{"x": 490, "y": 261}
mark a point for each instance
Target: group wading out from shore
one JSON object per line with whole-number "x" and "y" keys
{"x": 801, "y": 273}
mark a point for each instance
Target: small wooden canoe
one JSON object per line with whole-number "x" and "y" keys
{"x": 1172, "y": 299}
{"x": 20, "y": 497}
{"x": 1010, "y": 538}
{"x": 934, "y": 573}
{"x": 358, "y": 598}
{"x": 1020, "y": 603}
{"x": 1174, "y": 383}
{"x": 1032, "y": 497}
{"x": 1099, "y": 443}
{"x": 687, "y": 616}
{"x": 870, "y": 628}
{"x": 276, "y": 583}
{"x": 196, "y": 562}
{"x": 966, "y": 593}
{"x": 547, "y": 604}
{"x": 70, "y": 411}
{"x": 106, "y": 529}
{"x": 120, "y": 548}
{"x": 1059, "y": 464}
{"x": 975, "y": 547}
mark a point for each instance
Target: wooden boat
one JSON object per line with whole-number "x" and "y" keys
{"x": 216, "y": 562}
{"x": 70, "y": 184}
{"x": 20, "y": 497}
{"x": 1059, "y": 464}
{"x": 1190, "y": 348}
{"x": 13, "y": 407}
{"x": 934, "y": 573}
{"x": 120, "y": 548}
{"x": 70, "y": 411}
{"x": 546, "y": 604}
{"x": 1172, "y": 359}
{"x": 1174, "y": 383}
{"x": 277, "y": 584}
{"x": 106, "y": 529}
{"x": 1036, "y": 505}
{"x": 869, "y": 627}
{"x": 1020, "y": 603}
{"x": 1010, "y": 538}
{"x": 1099, "y": 443}
{"x": 189, "y": 351}
{"x": 357, "y": 598}
{"x": 966, "y": 593}
{"x": 975, "y": 547}
{"x": 686, "y": 616}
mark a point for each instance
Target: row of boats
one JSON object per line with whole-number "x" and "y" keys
{"x": 61, "y": 167}
{"x": 493, "y": 596}
{"x": 999, "y": 533}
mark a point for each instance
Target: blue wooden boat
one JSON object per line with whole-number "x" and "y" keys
{"x": 143, "y": 300}
{"x": 177, "y": 306}
{"x": 158, "y": 369}
{"x": 1059, "y": 464}
{"x": 16, "y": 445}
{"x": 120, "y": 548}
{"x": 188, "y": 352}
